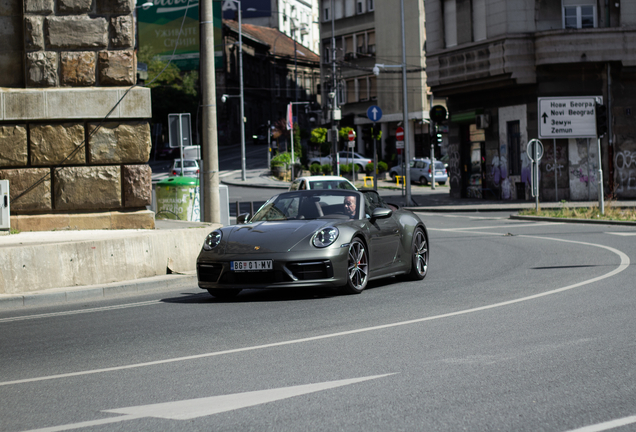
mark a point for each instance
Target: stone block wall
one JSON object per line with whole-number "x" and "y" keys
{"x": 64, "y": 65}
{"x": 79, "y": 43}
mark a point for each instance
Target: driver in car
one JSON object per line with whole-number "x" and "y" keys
{"x": 350, "y": 206}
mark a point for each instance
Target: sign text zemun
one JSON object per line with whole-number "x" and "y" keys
{"x": 567, "y": 117}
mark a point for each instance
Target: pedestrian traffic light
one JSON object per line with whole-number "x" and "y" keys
{"x": 601, "y": 120}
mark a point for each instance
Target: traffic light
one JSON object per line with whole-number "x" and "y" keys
{"x": 601, "y": 120}
{"x": 439, "y": 137}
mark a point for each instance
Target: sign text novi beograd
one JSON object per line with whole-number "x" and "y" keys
{"x": 567, "y": 117}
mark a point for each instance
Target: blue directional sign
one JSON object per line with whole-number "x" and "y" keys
{"x": 374, "y": 113}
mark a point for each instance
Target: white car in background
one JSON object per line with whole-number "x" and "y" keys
{"x": 191, "y": 168}
{"x": 321, "y": 182}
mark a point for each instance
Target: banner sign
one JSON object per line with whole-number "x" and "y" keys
{"x": 158, "y": 29}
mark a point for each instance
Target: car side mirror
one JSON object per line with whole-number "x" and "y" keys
{"x": 242, "y": 218}
{"x": 381, "y": 213}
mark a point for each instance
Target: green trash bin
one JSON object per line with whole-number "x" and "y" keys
{"x": 178, "y": 198}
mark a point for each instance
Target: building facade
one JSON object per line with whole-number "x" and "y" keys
{"x": 369, "y": 32}
{"x": 276, "y": 71}
{"x": 74, "y": 133}
{"x": 493, "y": 60}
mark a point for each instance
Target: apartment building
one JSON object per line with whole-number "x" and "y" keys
{"x": 297, "y": 19}
{"x": 495, "y": 60}
{"x": 369, "y": 32}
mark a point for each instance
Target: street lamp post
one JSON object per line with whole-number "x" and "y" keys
{"x": 242, "y": 120}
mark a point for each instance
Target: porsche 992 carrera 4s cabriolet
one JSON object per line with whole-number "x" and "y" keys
{"x": 317, "y": 238}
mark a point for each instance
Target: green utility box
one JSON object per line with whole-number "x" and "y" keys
{"x": 178, "y": 198}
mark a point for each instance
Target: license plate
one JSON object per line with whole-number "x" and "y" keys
{"x": 258, "y": 265}
{"x": 439, "y": 173}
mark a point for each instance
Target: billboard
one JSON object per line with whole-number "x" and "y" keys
{"x": 159, "y": 25}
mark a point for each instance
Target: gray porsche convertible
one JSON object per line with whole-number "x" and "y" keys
{"x": 317, "y": 238}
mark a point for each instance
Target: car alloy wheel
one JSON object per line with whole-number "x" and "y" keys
{"x": 419, "y": 255}
{"x": 357, "y": 267}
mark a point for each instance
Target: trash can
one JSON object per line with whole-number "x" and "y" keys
{"x": 178, "y": 198}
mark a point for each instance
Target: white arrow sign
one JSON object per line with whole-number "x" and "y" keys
{"x": 193, "y": 408}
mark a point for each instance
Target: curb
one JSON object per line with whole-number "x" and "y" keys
{"x": 573, "y": 220}
{"x": 95, "y": 292}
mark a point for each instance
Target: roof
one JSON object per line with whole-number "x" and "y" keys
{"x": 279, "y": 43}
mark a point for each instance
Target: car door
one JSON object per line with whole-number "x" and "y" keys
{"x": 384, "y": 235}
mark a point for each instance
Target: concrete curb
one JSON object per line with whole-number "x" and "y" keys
{"x": 95, "y": 292}
{"x": 573, "y": 220}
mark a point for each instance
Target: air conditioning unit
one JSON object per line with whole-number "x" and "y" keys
{"x": 482, "y": 121}
{"x": 5, "y": 214}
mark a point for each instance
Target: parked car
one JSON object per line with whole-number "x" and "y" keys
{"x": 314, "y": 238}
{"x": 321, "y": 182}
{"x": 345, "y": 158}
{"x": 191, "y": 168}
{"x": 421, "y": 171}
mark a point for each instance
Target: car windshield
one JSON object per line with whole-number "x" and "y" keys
{"x": 311, "y": 204}
{"x": 332, "y": 184}
{"x": 186, "y": 163}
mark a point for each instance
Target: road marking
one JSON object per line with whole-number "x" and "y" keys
{"x": 227, "y": 173}
{"x": 624, "y": 265}
{"x": 428, "y": 214}
{"x": 622, "y": 233}
{"x": 76, "y": 312}
{"x": 201, "y": 407}
{"x": 496, "y": 226}
{"x": 607, "y": 425}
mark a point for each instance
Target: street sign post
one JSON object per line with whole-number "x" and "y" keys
{"x": 374, "y": 113}
{"x": 535, "y": 153}
{"x": 567, "y": 117}
{"x": 352, "y": 137}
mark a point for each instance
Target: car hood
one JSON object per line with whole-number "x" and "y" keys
{"x": 269, "y": 237}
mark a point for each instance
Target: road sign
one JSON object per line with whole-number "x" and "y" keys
{"x": 399, "y": 134}
{"x": 352, "y": 135}
{"x": 374, "y": 113}
{"x": 531, "y": 149}
{"x": 567, "y": 117}
{"x": 399, "y": 144}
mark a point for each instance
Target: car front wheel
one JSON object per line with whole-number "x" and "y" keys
{"x": 419, "y": 256}
{"x": 357, "y": 268}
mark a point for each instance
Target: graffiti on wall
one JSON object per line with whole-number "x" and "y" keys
{"x": 583, "y": 169}
{"x": 453, "y": 166}
{"x": 625, "y": 165}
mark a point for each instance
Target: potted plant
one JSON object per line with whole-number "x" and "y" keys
{"x": 326, "y": 169}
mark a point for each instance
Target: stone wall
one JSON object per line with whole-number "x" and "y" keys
{"x": 65, "y": 65}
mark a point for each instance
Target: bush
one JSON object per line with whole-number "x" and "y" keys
{"x": 382, "y": 167}
{"x": 315, "y": 169}
{"x": 345, "y": 168}
{"x": 326, "y": 169}
{"x": 281, "y": 159}
{"x": 369, "y": 168}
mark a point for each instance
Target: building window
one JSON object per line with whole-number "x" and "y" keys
{"x": 371, "y": 43}
{"x": 514, "y": 147}
{"x": 360, "y": 49}
{"x": 363, "y": 89}
{"x": 373, "y": 88}
{"x": 360, "y": 6}
{"x": 348, "y": 47}
{"x": 370, "y": 5}
{"x": 351, "y": 91}
{"x": 326, "y": 9}
{"x": 577, "y": 16}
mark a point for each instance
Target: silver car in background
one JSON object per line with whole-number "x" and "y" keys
{"x": 421, "y": 171}
{"x": 191, "y": 168}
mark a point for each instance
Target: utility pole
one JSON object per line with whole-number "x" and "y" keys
{"x": 211, "y": 202}
{"x": 334, "y": 90}
{"x": 407, "y": 144}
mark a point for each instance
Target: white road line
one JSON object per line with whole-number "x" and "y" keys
{"x": 227, "y": 173}
{"x": 496, "y": 226}
{"x": 459, "y": 216}
{"x": 622, "y": 233}
{"x": 607, "y": 425}
{"x": 624, "y": 265}
{"x": 82, "y": 311}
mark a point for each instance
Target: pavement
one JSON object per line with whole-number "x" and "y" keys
{"x": 44, "y": 268}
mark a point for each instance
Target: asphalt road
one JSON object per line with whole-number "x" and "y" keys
{"x": 519, "y": 326}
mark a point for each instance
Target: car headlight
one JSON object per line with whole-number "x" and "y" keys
{"x": 325, "y": 237}
{"x": 212, "y": 240}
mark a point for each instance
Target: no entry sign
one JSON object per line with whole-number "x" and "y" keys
{"x": 399, "y": 134}
{"x": 352, "y": 135}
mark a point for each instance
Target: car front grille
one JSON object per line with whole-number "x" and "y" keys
{"x": 311, "y": 270}
{"x": 209, "y": 272}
